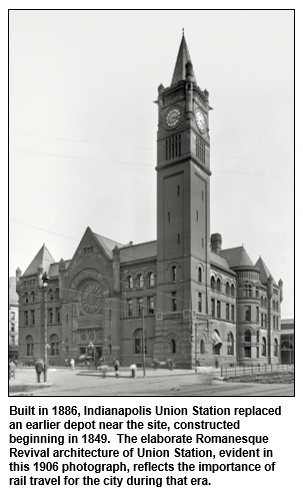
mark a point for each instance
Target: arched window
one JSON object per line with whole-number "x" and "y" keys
{"x": 202, "y": 347}
{"x": 212, "y": 283}
{"x": 232, "y": 290}
{"x": 32, "y": 297}
{"x": 138, "y": 342}
{"x": 130, "y": 282}
{"x": 276, "y": 347}
{"x": 151, "y": 279}
{"x": 173, "y": 346}
{"x": 217, "y": 343}
{"x": 264, "y": 347}
{"x": 218, "y": 284}
{"x": 57, "y": 294}
{"x": 174, "y": 273}
{"x": 257, "y": 292}
{"x": 258, "y": 336}
{"x": 262, "y": 302}
{"x": 230, "y": 343}
{"x": 50, "y": 295}
{"x": 227, "y": 288}
{"x": 247, "y": 336}
{"x": 140, "y": 280}
{"x": 29, "y": 346}
{"x": 199, "y": 274}
{"x": 250, "y": 292}
{"x": 265, "y": 302}
{"x": 54, "y": 345}
{"x": 26, "y": 298}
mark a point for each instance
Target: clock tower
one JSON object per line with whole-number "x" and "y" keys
{"x": 183, "y": 220}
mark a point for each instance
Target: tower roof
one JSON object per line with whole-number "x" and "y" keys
{"x": 264, "y": 271}
{"x": 43, "y": 258}
{"x": 182, "y": 59}
{"x": 237, "y": 257}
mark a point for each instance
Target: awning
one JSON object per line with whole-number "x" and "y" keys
{"x": 215, "y": 339}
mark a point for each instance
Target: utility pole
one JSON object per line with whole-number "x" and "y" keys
{"x": 143, "y": 344}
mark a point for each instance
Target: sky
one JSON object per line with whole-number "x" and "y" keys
{"x": 83, "y": 124}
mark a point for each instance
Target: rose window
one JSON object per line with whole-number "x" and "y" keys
{"x": 91, "y": 297}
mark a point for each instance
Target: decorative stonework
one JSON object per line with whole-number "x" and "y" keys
{"x": 91, "y": 298}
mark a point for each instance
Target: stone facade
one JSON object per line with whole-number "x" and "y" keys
{"x": 181, "y": 297}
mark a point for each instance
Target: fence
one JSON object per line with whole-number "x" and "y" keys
{"x": 265, "y": 368}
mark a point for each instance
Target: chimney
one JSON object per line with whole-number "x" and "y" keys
{"x": 216, "y": 243}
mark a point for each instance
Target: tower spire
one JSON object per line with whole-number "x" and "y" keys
{"x": 182, "y": 59}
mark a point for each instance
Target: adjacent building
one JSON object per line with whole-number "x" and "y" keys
{"x": 182, "y": 296}
{"x": 13, "y": 319}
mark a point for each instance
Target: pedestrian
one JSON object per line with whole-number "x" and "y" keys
{"x": 13, "y": 369}
{"x": 39, "y": 369}
{"x": 116, "y": 366}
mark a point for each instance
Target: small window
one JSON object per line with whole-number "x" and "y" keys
{"x": 32, "y": 297}
{"x": 233, "y": 313}
{"x": 26, "y": 298}
{"x": 263, "y": 347}
{"x": 138, "y": 343}
{"x": 247, "y": 313}
{"x": 199, "y": 274}
{"x": 219, "y": 309}
{"x": 227, "y": 311}
{"x": 54, "y": 345}
{"x": 151, "y": 305}
{"x": 227, "y": 286}
{"x": 58, "y": 315}
{"x": 168, "y": 217}
{"x": 247, "y": 336}
{"x": 232, "y": 290}
{"x": 130, "y": 282}
{"x": 247, "y": 351}
{"x": 129, "y": 304}
{"x": 202, "y": 347}
{"x": 200, "y": 302}
{"x": 219, "y": 285}
{"x": 50, "y": 316}
{"x": 57, "y": 294}
{"x": 178, "y": 190}
{"x": 26, "y": 318}
{"x": 276, "y": 347}
{"x": 151, "y": 279}
{"x": 230, "y": 343}
{"x": 32, "y": 317}
{"x": 213, "y": 312}
{"x": 174, "y": 273}
{"x": 178, "y": 238}
{"x": 29, "y": 346}
{"x": 50, "y": 295}
{"x": 140, "y": 306}
{"x": 212, "y": 283}
{"x": 140, "y": 281}
{"x": 173, "y": 346}
{"x": 174, "y": 301}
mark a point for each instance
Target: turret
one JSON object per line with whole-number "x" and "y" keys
{"x": 281, "y": 290}
{"x": 216, "y": 243}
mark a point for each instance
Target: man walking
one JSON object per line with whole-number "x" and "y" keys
{"x": 39, "y": 369}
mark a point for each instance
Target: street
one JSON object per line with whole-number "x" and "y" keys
{"x": 65, "y": 382}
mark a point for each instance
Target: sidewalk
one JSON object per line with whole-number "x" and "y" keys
{"x": 26, "y": 380}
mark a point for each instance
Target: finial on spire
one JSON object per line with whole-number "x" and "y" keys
{"x": 182, "y": 31}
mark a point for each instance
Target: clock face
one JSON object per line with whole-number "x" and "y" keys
{"x": 173, "y": 117}
{"x": 200, "y": 120}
